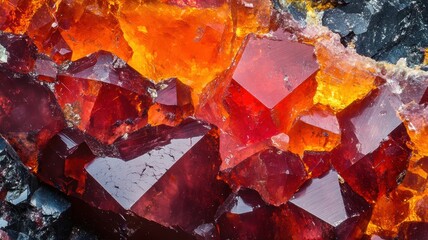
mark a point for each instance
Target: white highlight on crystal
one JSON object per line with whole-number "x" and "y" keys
{"x": 4, "y": 55}
{"x": 128, "y": 181}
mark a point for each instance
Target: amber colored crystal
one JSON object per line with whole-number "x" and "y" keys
{"x": 384, "y": 218}
{"x": 202, "y": 36}
{"x": 314, "y": 130}
{"x": 83, "y": 22}
{"x": 344, "y": 78}
{"x": 314, "y": 5}
{"x": 421, "y": 208}
{"x": 408, "y": 200}
{"x": 213, "y": 119}
{"x": 44, "y": 31}
{"x": 201, "y": 41}
{"x": 15, "y": 15}
{"x": 415, "y": 118}
{"x": 195, "y": 3}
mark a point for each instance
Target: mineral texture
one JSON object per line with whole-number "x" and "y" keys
{"x": 213, "y": 119}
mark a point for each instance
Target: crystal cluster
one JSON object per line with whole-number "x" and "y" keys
{"x": 214, "y": 119}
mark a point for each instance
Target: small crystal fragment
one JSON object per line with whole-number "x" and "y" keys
{"x": 103, "y": 98}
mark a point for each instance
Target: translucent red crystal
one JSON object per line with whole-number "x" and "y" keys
{"x": 103, "y": 96}
{"x": 264, "y": 111}
{"x": 45, "y": 69}
{"x": 46, "y": 34}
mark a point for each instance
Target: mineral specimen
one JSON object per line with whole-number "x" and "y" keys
{"x": 213, "y": 119}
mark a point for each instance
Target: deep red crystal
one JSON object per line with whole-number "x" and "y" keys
{"x": 17, "y": 53}
{"x": 29, "y": 114}
{"x": 373, "y": 145}
{"x": 244, "y": 215}
{"x": 335, "y": 203}
{"x": 274, "y": 174}
{"x": 157, "y": 173}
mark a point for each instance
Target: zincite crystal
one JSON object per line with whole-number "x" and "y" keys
{"x": 213, "y": 119}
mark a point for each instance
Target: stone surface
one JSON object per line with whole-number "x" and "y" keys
{"x": 16, "y": 182}
{"x": 388, "y": 39}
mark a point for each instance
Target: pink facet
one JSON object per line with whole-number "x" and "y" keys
{"x": 280, "y": 64}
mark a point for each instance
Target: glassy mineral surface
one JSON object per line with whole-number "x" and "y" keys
{"x": 213, "y": 119}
